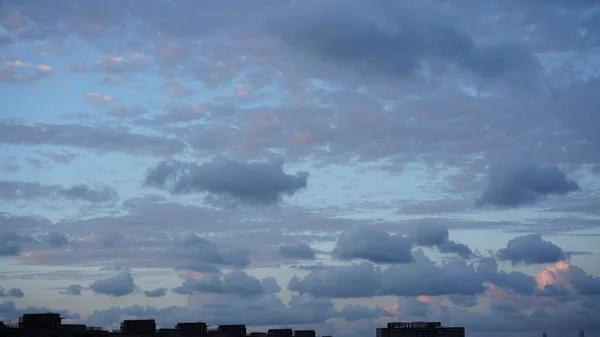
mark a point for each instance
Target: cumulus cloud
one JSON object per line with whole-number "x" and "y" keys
{"x": 110, "y": 240}
{"x": 522, "y": 184}
{"x": 531, "y": 249}
{"x": 236, "y": 283}
{"x": 351, "y": 281}
{"x": 297, "y": 251}
{"x": 373, "y": 245}
{"x": 10, "y": 243}
{"x": 252, "y": 182}
{"x": 55, "y": 239}
{"x": 422, "y": 278}
{"x": 119, "y": 285}
{"x": 201, "y": 255}
{"x": 12, "y": 292}
{"x": 353, "y": 36}
{"x": 72, "y": 289}
{"x": 466, "y": 301}
{"x": 432, "y": 234}
{"x": 9, "y": 311}
{"x": 158, "y": 292}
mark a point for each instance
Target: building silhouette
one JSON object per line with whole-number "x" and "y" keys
{"x": 50, "y": 325}
{"x": 419, "y": 329}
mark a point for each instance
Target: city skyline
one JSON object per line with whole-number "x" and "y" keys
{"x": 328, "y": 164}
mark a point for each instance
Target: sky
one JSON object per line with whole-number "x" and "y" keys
{"x": 332, "y": 165}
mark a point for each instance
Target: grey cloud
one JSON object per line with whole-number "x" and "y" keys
{"x": 297, "y": 251}
{"x": 429, "y": 234}
{"x": 58, "y": 157}
{"x": 72, "y": 289}
{"x": 101, "y": 138}
{"x": 434, "y": 234}
{"x": 253, "y": 182}
{"x": 460, "y": 249}
{"x": 424, "y": 277}
{"x": 352, "y": 281}
{"x": 234, "y": 283}
{"x": 531, "y": 249}
{"x": 373, "y": 245}
{"x": 12, "y": 292}
{"x": 413, "y": 307}
{"x": 158, "y": 292}
{"x": 9, "y": 311}
{"x": 515, "y": 281}
{"x": 585, "y": 284}
{"x": 394, "y": 38}
{"x": 354, "y": 312}
{"x": 110, "y": 240}
{"x": 10, "y": 244}
{"x": 119, "y": 285}
{"x": 267, "y": 310}
{"x": 16, "y": 190}
{"x": 465, "y": 301}
{"x": 55, "y": 239}
{"x": 522, "y": 184}
{"x": 199, "y": 266}
{"x": 427, "y": 278}
{"x": 552, "y": 290}
{"x": 201, "y": 254}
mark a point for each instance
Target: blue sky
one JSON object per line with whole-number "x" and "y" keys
{"x": 338, "y": 165}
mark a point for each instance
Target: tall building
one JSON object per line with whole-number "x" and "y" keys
{"x": 581, "y": 333}
{"x": 280, "y": 333}
{"x": 47, "y": 321}
{"x": 544, "y": 335}
{"x": 305, "y": 333}
{"x": 233, "y": 330}
{"x": 419, "y": 329}
{"x": 192, "y": 327}
{"x": 138, "y": 326}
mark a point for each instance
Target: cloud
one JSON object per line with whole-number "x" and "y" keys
{"x": 373, "y": 245}
{"x": 465, "y": 301}
{"x": 12, "y": 292}
{"x": 58, "y": 157}
{"x": 201, "y": 255}
{"x": 236, "y": 283}
{"x": 253, "y": 182}
{"x": 351, "y": 281}
{"x": 518, "y": 282}
{"x": 394, "y": 38}
{"x": 100, "y": 138}
{"x": 267, "y": 310}
{"x": 72, "y": 289}
{"x": 55, "y": 239}
{"x": 19, "y": 190}
{"x": 354, "y": 312}
{"x": 432, "y": 234}
{"x": 531, "y": 249}
{"x": 158, "y": 292}
{"x": 522, "y": 184}
{"x": 111, "y": 239}
{"x": 422, "y": 278}
{"x": 10, "y": 243}
{"x": 10, "y": 312}
{"x": 119, "y": 285}
{"x": 297, "y": 251}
